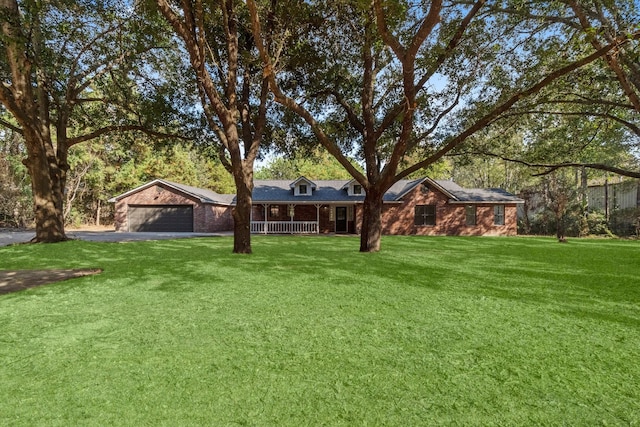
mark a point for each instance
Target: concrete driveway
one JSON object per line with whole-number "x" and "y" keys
{"x": 9, "y": 237}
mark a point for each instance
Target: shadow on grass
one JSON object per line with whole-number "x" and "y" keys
{"x": 532, "y": 271}
{"x": 18, "y": 280}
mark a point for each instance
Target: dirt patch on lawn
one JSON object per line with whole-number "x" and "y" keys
{"x": 17, "y": 280}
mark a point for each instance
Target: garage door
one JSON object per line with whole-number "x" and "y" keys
{"x": 161, "y": 218}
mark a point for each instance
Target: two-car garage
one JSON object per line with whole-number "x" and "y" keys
{"x": 164, "y": 206}
{"x": 160, "y": 218}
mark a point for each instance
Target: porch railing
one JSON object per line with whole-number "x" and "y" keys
{"x": 284, "y": 227}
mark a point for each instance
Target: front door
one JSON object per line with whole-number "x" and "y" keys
{"x": 341, "y": 219}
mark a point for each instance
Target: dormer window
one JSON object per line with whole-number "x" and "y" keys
{"x": 302, "y": 187}
{"x": 353, "y": 188}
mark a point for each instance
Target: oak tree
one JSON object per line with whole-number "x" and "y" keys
{"x": 232, "y": 88}
{"x": 58, "y": 59}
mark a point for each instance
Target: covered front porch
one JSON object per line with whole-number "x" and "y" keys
{"x": 277, "y": 218}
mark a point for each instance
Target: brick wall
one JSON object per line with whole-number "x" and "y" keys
{"x": 217, "y": 218}
{"x": 206, "y": 218}
{"x": 450, "y": 218}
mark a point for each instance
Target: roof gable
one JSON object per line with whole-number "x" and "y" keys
{"x": 201, "y": 194}
{"x": 353, "y": 188}
{"x": 453, "y": 191}
{"x": 303, "y": 180}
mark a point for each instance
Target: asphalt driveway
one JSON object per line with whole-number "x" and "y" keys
{"x": 9, "y": 237}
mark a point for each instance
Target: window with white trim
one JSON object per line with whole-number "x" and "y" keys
{"x": 357, "y": 189}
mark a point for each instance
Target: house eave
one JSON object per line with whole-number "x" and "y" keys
{"x": 304, "y": 202}
{"x": 486, "y": 202}
{"x": 158, "y": 181}
{"x": 320, "y": 202}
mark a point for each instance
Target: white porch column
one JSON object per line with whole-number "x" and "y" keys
{"x": 318, "y": 219}
{"x": 265, "y": 228}
{"x": 291, "y": 211}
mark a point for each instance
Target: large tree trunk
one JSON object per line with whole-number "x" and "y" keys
{"x": 28, "y": 102}
{"x": 371, "y": 232}
{"x": 47, "y": 192}
{"x": 242, "y": 218}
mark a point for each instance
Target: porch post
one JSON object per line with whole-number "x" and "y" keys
{"x": 266, "y": 225}
{"x": 318, "y": 219}
{"x": 291, "y": 211}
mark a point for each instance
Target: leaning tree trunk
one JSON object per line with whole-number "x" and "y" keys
{"x": 47, "y": 191}
{"x": 371, "y": 231}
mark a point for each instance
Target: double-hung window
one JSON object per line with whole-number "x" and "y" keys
{"x": 425, "y": 215}
{"x": 498, "y": 215}
{"x": 470, "y": 214}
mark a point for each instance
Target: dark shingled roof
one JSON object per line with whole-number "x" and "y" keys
{"x": 280, "y": 191}
{"x": 477, "y": 195}
{"x": 335, "y": 191}
{"x": 204, "y": 195}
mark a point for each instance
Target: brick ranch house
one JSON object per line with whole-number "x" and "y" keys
{"x": 421, "y": 207}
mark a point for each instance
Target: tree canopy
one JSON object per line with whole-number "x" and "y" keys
{"x": 73, "y": 72}
{"x": 412, "y": 77}
{"x": 386, "y": 87}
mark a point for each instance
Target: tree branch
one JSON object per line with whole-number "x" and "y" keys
{"x": 436, "y": 122}
{"x": 453, "y": 43}
{"x": 585, "y": 101}
{"x": 10, "y": 126}
{"x": 551, "y": 167}
{"x": 633, "y": 127}
{"x": 281, "y": 98}
{"x": 351, "y": 115}
{"x": 502, "y": 108}
{"x": 611, "y": 58}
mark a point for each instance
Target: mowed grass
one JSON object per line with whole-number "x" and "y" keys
{"x": 307, "y": 331}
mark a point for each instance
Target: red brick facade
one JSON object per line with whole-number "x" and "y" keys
{"x": 398, "y": 218}
{"x": 450, "y": 217}
{"x": 207, "y": 218}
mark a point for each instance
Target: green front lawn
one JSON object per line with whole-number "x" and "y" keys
{"x": 307, "y": 331}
